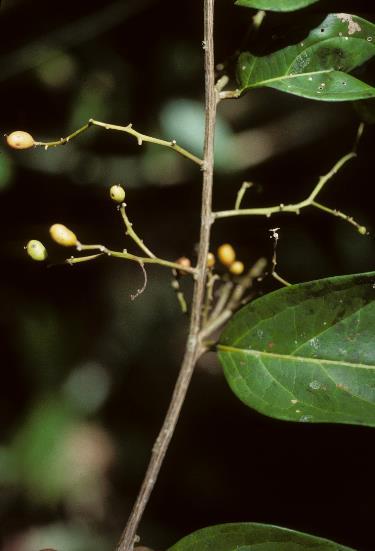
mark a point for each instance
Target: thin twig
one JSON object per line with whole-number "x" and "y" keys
{"x": 194, "y": 346}
{"x": 141, "y": 289}
{"x": 128, "y": 256}
{"x": 129, "y": 130}
{"x": 131, "y": 233}
{"x": 295, "y": 207}
{"x": 275, "y": 236}
{"x": 175, "y": 284}
{"x": 224, "y": 313}
{"x": 245, "y": 186}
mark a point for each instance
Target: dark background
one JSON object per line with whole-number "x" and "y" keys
{"x": 86, "y": 374}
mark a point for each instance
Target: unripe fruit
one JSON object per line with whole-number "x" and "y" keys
{"x": 36, "y": 250}
{"x": 63, "y": 235}
{"x": 211, "y": 260}
{"x": 226, "y": 254}
{"x": 20, "y": 140}
{"x": 117, "y": 193}
{"x": 362, "y": 230}
{"x": 237, "y": 268}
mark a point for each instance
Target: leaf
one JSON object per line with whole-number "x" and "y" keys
{"x": 317, "y": 67}
{"x": 253, "y": 537}
{"x": 306, "y": 352}
{"x": 275, "y": 5}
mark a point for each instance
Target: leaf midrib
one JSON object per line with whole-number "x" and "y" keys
{"x": 260, "y": 353}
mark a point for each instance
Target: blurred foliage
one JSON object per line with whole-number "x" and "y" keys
{"x": 87, "y": 373}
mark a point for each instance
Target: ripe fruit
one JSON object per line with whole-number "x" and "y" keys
{"x": 211, "y": 260}
{"x": 117, "y": 193}
{"x": 63, "y": 235}
{"x": 237, "y": 267}
{"x": 20, "y": 140}
{"x": 184, "y": 262}
{"x": 226, "y": 254}
{"x": 36, "y": 250}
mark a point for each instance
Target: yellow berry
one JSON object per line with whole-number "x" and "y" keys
{"x": 20, "y": 140}
{"x": 211, "y": 260}
{"x": 237, "y": 268}
{"x": 226, "y": 254}
{"x": 117, "y": 193}
{"x": 36, "y": 250}
{"x": 362, "y": 230}
{"x": 63, "y": 235}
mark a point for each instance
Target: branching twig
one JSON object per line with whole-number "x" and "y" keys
{"x": 297, "y": 207}
{"x": 194, "y": 346}
{"x": 232, "y": 300}
{"x": 129, "y": 130}
{"x": 128, "y": 256}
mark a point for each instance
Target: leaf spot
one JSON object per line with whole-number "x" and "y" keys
{"x": 315, "y": 385}
{"x": 353, "y": 26}
{"x": 293, "y": 401}
{"x": 369, "y": 39}
{"x": 306, "y": 418}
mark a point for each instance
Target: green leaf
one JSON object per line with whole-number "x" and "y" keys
{"x": 253, "y": 537}
{"x": 276, "y": 5}
{"x": 318, "y": 67}
{"x": 306, "y": 352}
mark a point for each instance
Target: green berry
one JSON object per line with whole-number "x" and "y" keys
{"x": 36, "y": 250}
{"x": 362, "y": 230}
{"x": 117, "y": 193}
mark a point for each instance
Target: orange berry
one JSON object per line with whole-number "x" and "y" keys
{"x": 237, "y": 268}
{"x": 226, "y": 254}
{"x": 184, "y": 262}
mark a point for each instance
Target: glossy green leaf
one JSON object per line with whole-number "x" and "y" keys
{"x": 275, "y": 5}
{"x": 306, "y": 352}
{"x": 318, "y": 67}
{"x": 253, "y": 537}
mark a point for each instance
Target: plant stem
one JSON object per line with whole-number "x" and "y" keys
{"x": 129, "y": 130}
{"x": 194, "y": 346}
